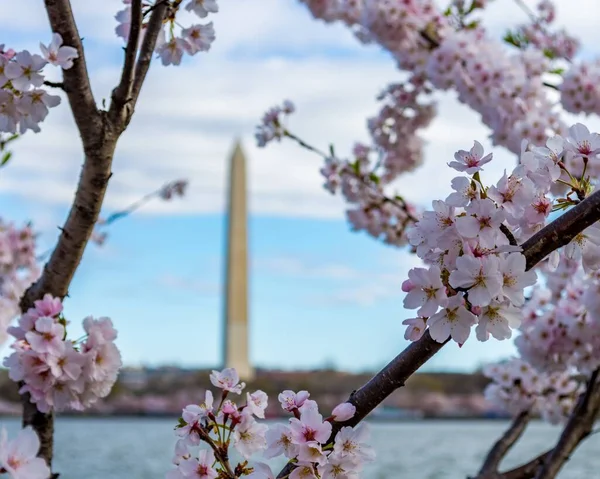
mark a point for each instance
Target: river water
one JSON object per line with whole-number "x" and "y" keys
{"x": 140, "y": 448}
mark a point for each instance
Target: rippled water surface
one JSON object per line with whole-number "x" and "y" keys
{"x": 142, "y": 448}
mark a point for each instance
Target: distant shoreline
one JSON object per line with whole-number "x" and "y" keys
{"x": 370, "y": 419}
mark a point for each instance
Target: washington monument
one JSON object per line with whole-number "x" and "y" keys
{"x": 235, "y": 350}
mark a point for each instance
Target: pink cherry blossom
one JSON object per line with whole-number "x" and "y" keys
{"x": 343, "y": 412}
{"x": 227, "y": 380}
{"x": 339, "y": 467}
{"x": 454, "y": 320}
{"x": 47, "y": 306}
{"x": 480, "y": 275}
{"x": 427, "y": 292}
{"x": 311, "y": 452}
{"x": 257, "y": 402}
{"x": 497, "y": 319}
{"x": 416, "y": 328}
{"x": 310, "y": 427}
{"x": 202, "y": 7}
{"x": 47, "y": 336}
{"x": 290, "y": 400}
{"x": 261, "y": 471}
{"x": 249, "y": 437}
{"x": 19, "y": 456}
{"x": 200, "y": 468}
{"x": 351, "y": 442}
{"x": 279, "y": 441}
{"x": 303, "y": 470}
{"x": 470, "y": 161}
{"x": 57, "y": 54}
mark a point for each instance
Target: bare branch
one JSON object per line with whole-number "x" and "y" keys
{"x": 578, "y": 427}
{"x": 122, "y": 93}
{"x": 147, "y": 49}
{"x": 75, "y": 80}
{"x": 503, "y": 445}
{"x": 53, "y": 84}
{"x": 526, "y": 471}
{"x": 509, "y": 236}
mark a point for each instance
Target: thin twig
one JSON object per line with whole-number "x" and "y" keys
{"x": 53, "y": 84}
{"x": 147, "y": 49}
{"x": 122, "y": 93}
{"x": 509, "y": 236}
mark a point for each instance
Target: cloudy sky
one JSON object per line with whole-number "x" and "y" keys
{"x": 333, "y": 292}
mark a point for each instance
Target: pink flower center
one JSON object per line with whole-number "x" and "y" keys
{"x": 309, "y": 434}
{"x": 471, "y": 161}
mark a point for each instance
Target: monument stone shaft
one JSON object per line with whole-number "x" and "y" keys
{"x": 236, "y": 354}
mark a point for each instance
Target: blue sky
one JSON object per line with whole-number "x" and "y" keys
{"x": 336, "y": 293}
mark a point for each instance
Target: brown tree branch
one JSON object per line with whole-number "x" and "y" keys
{"x": 489, "y": 468}
{"x": 384, "y": 383}
{"x": 99, "y": 133}
{"x": 527, "y": 470}
{"x": 562, "y": 230}
{"x": 551, "y": 237}
{"x": 122, "y": 93}
{"x": 578, "y": 427}
{"x": 147, "y": 49}
{"x": 75, "y": 80}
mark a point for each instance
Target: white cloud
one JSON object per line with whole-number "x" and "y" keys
{"x": 188, "y": 117}
{"x": 293, "y": 266}
{"x": 191, "y": 284}
{"x": 347, "y": 285}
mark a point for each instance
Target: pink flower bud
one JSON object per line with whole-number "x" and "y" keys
{"x": 476, "y": 310}
{"x": 343, "y": 412}
{"x": 229, "y": 408}
{"x": 407, "y": 286}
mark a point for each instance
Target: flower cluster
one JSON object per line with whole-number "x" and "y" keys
{"x": 305, "y": 441}
{"x": 380, "y": 215}
{"x": 561, "y": 321}
{"x": 170, "y": 47}
{"x": 517, "y": 386}
{"x": 18, "y": 458}
{"x": 24, "y": 103}
{"x": 272, "y": 126}
{"x": 56, "y": 372}
{"x": 477, "y": 274}
{"x": 580, "y": 89}
{"x": 538, "y": 33}
{"x": 18, "y": 269}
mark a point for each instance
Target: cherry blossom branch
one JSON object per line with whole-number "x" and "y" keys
{"x": 527, "y": 470}
{"x": 122, "y": 93}
{"x": 75, "y": 80}
{"x": 551, "y": 237}
{"x": 220, "y": 454}
{"x": 99, "y": 132}
{"x": 562, "y": 230}
{"x": 578, "y": 427}
{"x": 502, "y": 446}
{"x": 384, "y": 383}
{"x": 398, "y": 201}
{"x": 147, "y": 49}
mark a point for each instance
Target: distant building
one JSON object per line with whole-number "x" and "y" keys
{"x": 235, "y": 348}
